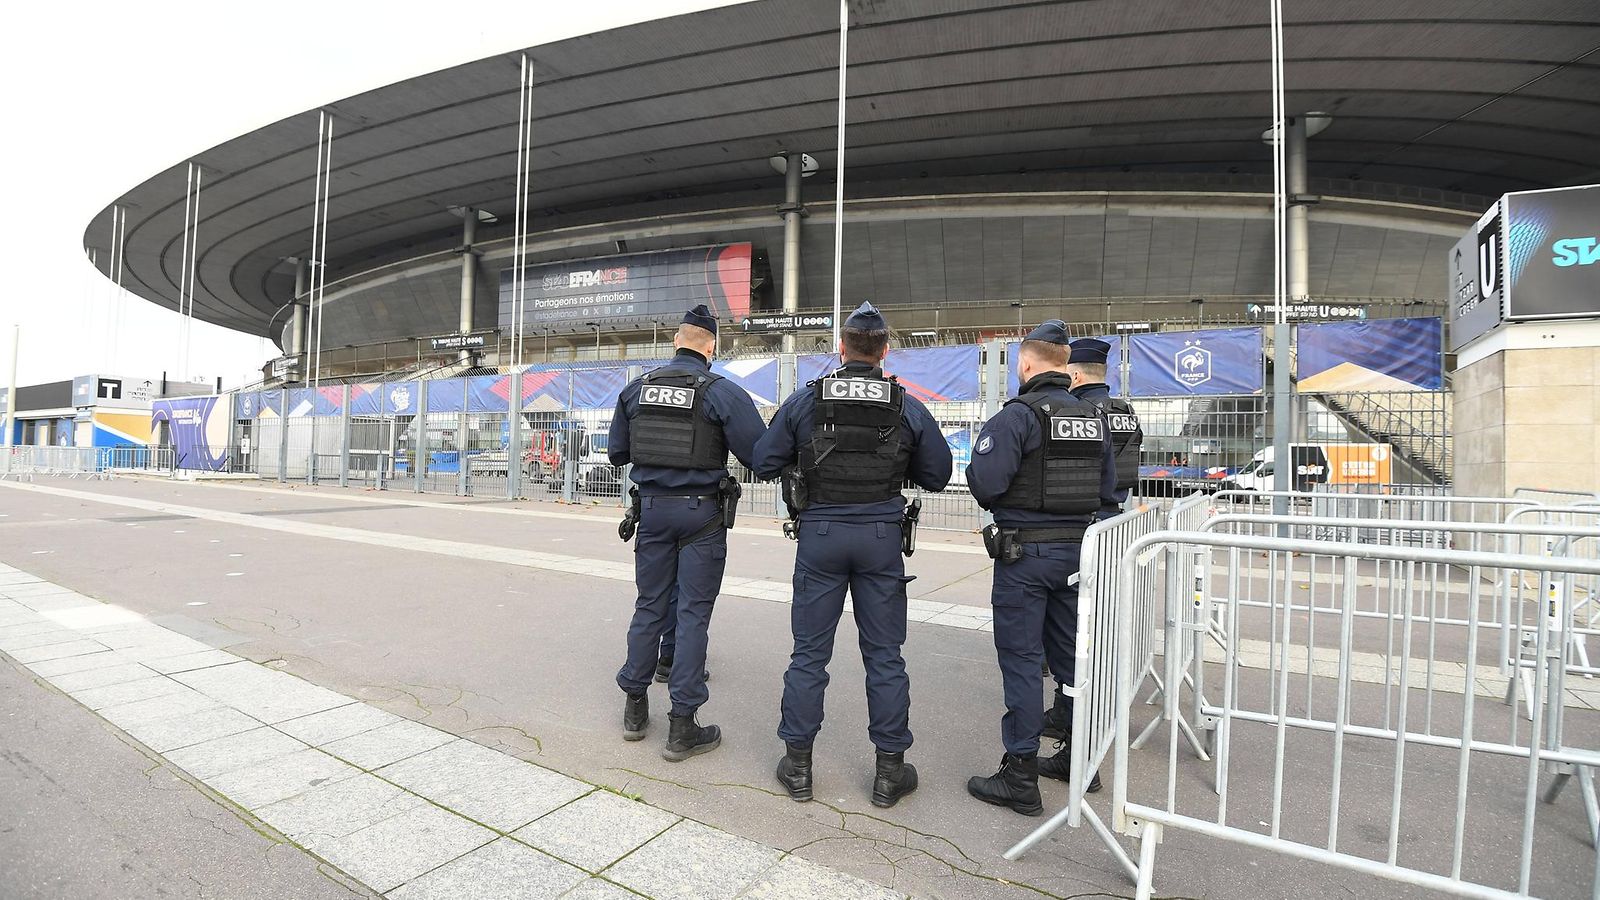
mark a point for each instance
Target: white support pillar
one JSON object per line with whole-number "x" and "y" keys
{"x": 297, "y": 320}
{"x": 1297, "y": 232}
{"x": 469, "y": 274}
{"x": 793, "y": 211}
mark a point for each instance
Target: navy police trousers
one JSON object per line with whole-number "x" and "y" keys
{"x": 663, "y": 573}
{"x": 865, "y": 559}
{"x": 1035, "y": 618}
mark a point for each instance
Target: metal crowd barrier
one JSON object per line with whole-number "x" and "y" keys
{"x": 1568, "y": 532}
{"x": 1461, "y": 758}
{"x": 69, "y": 462}
{"x": 1096, "y": 707}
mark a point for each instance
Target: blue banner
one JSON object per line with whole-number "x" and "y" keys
{"x": 813, "y": 366}
{"x": 1374, "y": 355}
{"x": 937, "y": 374}
{"x": 1113, "y": 365}
{"x": 758, "y": 377}
{"x": 366, "y": 399}
{"x": 327, "y": 401}
{"x": 546, "y": 390}
{"x": 398, "y": 398}
{"x": 447, "y": 395}
{"x": 1175, "y": 363}
{"x": 198, "y": 428}
{"x": 246, "y": 405}
{"x": 489, "y": 393}
{"x": 597, "y": 388}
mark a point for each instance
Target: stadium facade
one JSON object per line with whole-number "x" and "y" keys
{"x": 1007, "y": 161}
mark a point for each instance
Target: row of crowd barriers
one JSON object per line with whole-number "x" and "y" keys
{"x": 1416, "y": 595}
{"x": 21, "y": 462}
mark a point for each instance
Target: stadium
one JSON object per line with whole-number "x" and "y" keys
{"x": 1005, "y": 163}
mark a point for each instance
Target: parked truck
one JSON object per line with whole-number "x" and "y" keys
{"x": 1334, "y": 465}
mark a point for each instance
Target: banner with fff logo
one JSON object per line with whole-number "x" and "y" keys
{"x": 1215, "y": 361}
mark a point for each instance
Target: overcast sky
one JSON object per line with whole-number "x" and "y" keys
{"x": 102, "y": 95}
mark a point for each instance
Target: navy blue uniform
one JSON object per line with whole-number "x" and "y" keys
{"x": 1110, "y": 502}
{"x": 855, "y": 547}
{"x": 676, "y": 505}
{"x": 1035, "y": 609}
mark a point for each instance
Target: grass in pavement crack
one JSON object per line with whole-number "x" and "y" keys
{"x": 678, "y": 784}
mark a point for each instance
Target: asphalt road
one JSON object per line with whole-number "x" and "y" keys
{"x": 524, "y": 660}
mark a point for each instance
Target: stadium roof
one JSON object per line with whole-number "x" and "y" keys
{"x": 1432, "y": 95}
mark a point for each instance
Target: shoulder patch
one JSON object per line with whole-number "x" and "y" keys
{"x": 985, "y": 444}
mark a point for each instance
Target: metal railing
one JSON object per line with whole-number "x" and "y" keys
{"x": 82, "y": 462}
{"x": 1257, "y": 715}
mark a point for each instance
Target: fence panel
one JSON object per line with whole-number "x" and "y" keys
{"x": 1456, "y": 777}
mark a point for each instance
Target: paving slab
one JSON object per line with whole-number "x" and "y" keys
{"x": 178, "y": 703}
{"x": 127, "y": 691}
{"x": 318, "y": 729}
{"x": 390, "y": 743}
{"x": 597, "y": 830}
{"x": 448, "y": 767}
{"x": 502, "y": 870}
{"x": 798, "y": 879}
{"x": 106, "y": 675}
{"x": 282, "y": 777}
{"x": 169, "y": 734}
{"x": 690, "y": 861}
{"x": 93, "y": 617}
{"x": 32, "y": 625}
{"x": 338, "y": 809}
{"x": 51, "y": 667}
{"x": 513, "y": 797}
{"x": 598, "y": 889}
{"x": 261, "y": 692}
{"x": 390, "y": 853}
{"x": 188, "y": 661}
{"x": 11, "y": 643}
{"x": 208, "y": 759}
{"x": 65, "y": 650}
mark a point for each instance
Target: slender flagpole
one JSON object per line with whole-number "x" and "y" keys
{"x": 194, "y": 264}
{"x": 183, "y": 261}
{"x": 516, "y": 223}
{"x": 838, "y": 190}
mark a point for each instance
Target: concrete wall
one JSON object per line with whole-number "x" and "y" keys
{"x": 1528, "y": 418}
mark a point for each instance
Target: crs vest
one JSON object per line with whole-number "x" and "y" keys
{"x": 1127, "y": 437}
{"x": 855, "y": 454}
{"x": 670, "y": 429}
{"x": 1062, "y": 475}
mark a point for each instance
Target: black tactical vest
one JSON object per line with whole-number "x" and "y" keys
{"x": 670, "y": 428}
{"x": 1062, "y": 475}
{"x": 1126, "y": 440}
{"x": 856, "y": 453}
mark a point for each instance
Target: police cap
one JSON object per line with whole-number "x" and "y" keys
{"x": 1089, "y": 350}
{"x": 701, "y": 317}
{"x": 866, "y": 318}
{"x": 1051, "y": 331}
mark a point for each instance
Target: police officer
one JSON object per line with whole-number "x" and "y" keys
{"x": 1041, "y": 465}
{"x": 845, "y": 444}
{"x": 676, "y": 426}
{"x": 1087, "y": 368}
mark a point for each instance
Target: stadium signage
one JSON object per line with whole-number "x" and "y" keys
{"x": 788, "y": 323}
{"x": 459, "y": 342}
{"x": 643, "y": 287}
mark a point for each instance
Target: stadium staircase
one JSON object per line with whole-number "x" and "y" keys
{"x": 1415, "y": 423}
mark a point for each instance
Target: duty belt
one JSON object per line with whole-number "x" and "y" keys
{"x": 1067, "y": 534}
{"x": 680, "y": 496}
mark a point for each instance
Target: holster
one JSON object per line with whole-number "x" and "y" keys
{"x": 630, "y": 519}
{"x": 1001, "y": 543}
{"x": 796, "y": 498}
{"x": 908, "y": 526}
{"x": 728, "y": 493}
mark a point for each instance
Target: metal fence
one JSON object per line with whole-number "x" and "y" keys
{"x": 1447, "y": 742}
{"x": 23, "y": 462}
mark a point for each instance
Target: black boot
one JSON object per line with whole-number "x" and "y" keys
{"x": 686, "y": 738}
{"x": 895, "y": 779}
{"x": 794, "y": 773}
{"x": 1016, "y": 785}
{"x": 1059, "y": 766}
{"x": 635, "y": 717}
{"x": 1058, "y": 718}
{"x": 664, "y": 671}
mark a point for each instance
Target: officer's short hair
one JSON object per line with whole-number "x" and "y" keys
{"x": 695, "y": 336}
{"x": 1092, "y": 371}
{"x": 1053, "y": 355}
{"x": 865, "y": 345}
